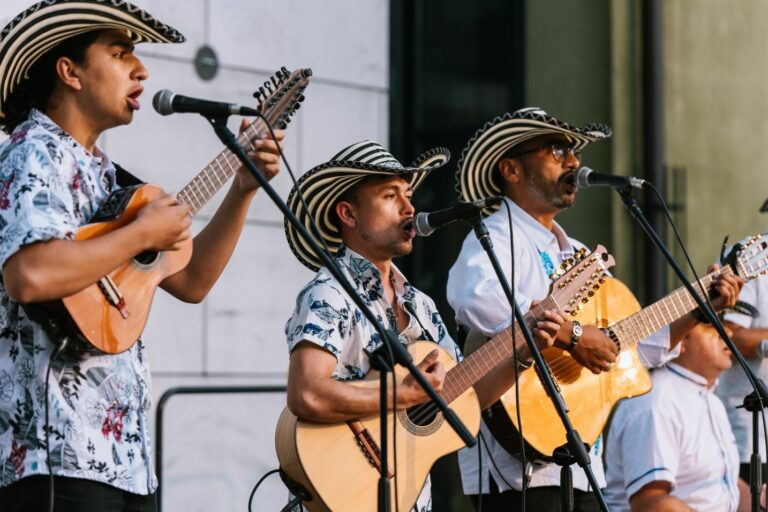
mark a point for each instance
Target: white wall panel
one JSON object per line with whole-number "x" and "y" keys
{"x": 248, "y": 308}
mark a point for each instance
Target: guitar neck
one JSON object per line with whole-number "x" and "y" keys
{"x": 210, "y": 180}
{"x": 662, "y": 312}
{"x": 495, "y": 351}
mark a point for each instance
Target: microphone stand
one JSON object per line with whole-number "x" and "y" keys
{"x": 753, "y": 402}
{"x": 574, "y": 450}
{"x": 389, "y": 339}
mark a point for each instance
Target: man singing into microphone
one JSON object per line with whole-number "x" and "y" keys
{"x": 531, "y": 159}
{"x": 360, "y": 202}
{"x": 55, "y": 104}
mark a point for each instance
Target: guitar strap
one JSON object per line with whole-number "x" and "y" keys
{"x": 124, "y": 178}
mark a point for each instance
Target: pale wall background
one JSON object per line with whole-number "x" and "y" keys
{"x": 217, "y": 447}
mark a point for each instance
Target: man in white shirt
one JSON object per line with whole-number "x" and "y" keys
{"x": 531, "y": 158}
{"x": 673, "y": 448}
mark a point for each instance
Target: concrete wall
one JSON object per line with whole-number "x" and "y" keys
{"x": 218, "y": 446}
{"x": 716, "y": 70}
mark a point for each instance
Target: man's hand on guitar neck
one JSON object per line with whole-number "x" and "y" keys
{"x": 595, "y": 350}
{"x": 725, "y": 289}
{"x": 266, "y": 157}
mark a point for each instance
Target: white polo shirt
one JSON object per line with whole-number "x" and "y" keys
{"x": 734, "y": 386}
{"x": 678, "y": 433}
{"x": 479, "y": 303}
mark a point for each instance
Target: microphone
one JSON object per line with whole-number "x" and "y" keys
{"x": 426, "y": 223}
{"x": 167, "y": 102}
{"x": 586, "y": 177}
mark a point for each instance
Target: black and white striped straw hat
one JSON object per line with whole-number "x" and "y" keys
{"x": 46, "y": 24}
{"x": 323, "y": 186}
{"x": 474, "y": 177}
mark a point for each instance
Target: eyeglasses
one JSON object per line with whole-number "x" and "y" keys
{"x": 559, "y": 152}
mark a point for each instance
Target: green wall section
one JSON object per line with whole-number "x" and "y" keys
{"x": 568, "y": 73}
{"x": 716, "y": 94}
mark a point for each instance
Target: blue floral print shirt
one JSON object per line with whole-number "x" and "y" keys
{"x": 326, "y": 316}
{"x": 98, "y": 404}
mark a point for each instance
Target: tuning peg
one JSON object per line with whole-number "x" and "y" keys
{"x": 274, "y": 82}
{"x": 268, "y": 86}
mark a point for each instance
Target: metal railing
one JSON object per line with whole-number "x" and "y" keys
{"x": 193, "y": 390}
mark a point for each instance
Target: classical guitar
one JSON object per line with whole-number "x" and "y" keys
{"x": 110, "y": 314}
{"x": 337, "y": 464}
{"x": 589, "y": 397}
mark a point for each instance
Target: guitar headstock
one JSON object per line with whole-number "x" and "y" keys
{"x": 750, "y": 259}
{"x": 281, "y": 96}
{"x": 576, "y": 286}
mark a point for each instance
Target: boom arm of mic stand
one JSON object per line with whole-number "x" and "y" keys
{"x": 575, "y": 444}
{"x": 637, "y": 213}
{"x": 401, "y": 355}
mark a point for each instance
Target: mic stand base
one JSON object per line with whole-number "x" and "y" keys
{"x": 381, "y": 361}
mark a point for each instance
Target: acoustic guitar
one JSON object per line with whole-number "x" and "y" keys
{"x": 337, "y": 464}
{"x": 111, "y": 314}
{"x": 590, "y": 398}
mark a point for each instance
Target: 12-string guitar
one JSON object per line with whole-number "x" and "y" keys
{"x": 110, "y": 314}
{"x": 589, "y": 397}
{"x": 338, "y": 464}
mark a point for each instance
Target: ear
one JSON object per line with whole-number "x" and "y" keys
{"x": 346, "y": 213}
{"x": 510, "y": 170}
{"x": 69, "y": 73}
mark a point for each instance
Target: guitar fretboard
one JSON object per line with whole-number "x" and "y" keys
{"x": 662, "y": 312}
{"x": 210, "y": 180}
{"x": 495, "y": 351}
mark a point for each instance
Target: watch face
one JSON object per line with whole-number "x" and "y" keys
{"x": 577, "y": 329}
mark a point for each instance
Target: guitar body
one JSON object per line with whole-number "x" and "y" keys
{"x": 589, "y": 398}
{"x": 327, "y": 460}
{"x": 90, "y": 312}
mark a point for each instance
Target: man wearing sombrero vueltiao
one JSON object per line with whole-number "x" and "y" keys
{"x": 67, "y": 74}
{"x": 531, "y": 158}
{"x": 361, "y": 203}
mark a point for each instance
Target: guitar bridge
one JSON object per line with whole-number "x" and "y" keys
{"x": 113, "y": 295}
{"x": 369, "y": 447}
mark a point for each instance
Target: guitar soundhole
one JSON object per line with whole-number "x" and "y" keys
{"x": 146, "y": 257}
{"x": 421, "y": 415}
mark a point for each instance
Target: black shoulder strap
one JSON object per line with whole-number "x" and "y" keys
{"x": 124, "y": 178}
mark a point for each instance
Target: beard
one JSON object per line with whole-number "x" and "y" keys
{"x": 550, "y": 191}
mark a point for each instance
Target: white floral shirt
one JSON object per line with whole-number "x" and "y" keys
{"x": 98, "y": 404}
{"x": 325, "y": 315}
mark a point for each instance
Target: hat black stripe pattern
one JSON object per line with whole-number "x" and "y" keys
{"x": 474, "y": 176}
{"x": 323, "y": 186}
{"x": 46, "y": 24}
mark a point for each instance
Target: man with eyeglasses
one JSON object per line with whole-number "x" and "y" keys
{"x": 531, "y": 158}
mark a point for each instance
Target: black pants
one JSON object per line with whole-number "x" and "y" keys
{"x": 537, "y": 499}
{"x": 30, "y": 494}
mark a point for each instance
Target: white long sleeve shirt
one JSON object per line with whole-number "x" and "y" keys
{"x": 479, "y": 303}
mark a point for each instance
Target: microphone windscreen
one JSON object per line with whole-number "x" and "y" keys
{"x": 163, "y": 102}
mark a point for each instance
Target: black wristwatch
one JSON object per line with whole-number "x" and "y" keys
{"x": 576, "y": 332}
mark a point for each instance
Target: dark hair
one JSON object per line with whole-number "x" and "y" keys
{"x": 35, "y": 91}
